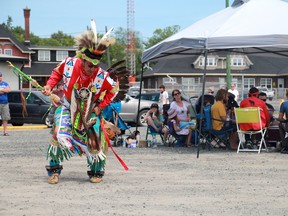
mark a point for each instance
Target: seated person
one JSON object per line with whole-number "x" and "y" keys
{"x": 283, "y": 125}
{"x": 218, "y": 111}
{"x": 208, "y": 99}
{"x": 232, "y": 103}
{"x": 180, "y": 127}
{"x": 254, "y": 101}
{"x": 262, "y": 96}
{"x": 155, "y": 122}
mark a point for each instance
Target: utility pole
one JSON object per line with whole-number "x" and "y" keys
{"x": 130, "y": 39}
{"x": 228, "y": 62}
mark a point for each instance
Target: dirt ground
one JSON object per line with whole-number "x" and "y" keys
{"x": 160, "y": 181}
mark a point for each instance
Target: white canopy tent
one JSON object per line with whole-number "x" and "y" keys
{"x": 253, "y": 26}
{"x": 248, "y": 27}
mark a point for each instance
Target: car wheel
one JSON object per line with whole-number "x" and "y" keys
{"x": 141, "y": 121}
{"x": 17, "y": 124}
{"x": 47, "y": 122}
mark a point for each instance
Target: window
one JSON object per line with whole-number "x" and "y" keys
{"x": 8, "y": 52}
{"x": 170, "y": 80}
{"x": 235, "y": 82}
{"x": 237, "y": 61}
{"x": 188, "y": 83}
{"x": 267, "y": 82}
{"x": 43, "y": 55}
{"x": 211, "y": 61}
{"x": 222, "y": 82}
{"x": 249, "y": 82}
{"x": 61, "y": 55}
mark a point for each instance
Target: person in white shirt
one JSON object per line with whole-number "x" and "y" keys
{"x": 163, "y": 98}
{"x": 234, "y": 91}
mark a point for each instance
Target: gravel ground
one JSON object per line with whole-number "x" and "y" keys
{"x": 160, "y": 181}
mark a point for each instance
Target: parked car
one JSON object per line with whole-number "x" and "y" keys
{"x": 152, "y": 96}
{"x": 134, "y": 90}
{"x": 130, "y": 106}
{"x": 129, "y": 110}
{"x": 269, "y": 93}
{"x": 37, "y": 106}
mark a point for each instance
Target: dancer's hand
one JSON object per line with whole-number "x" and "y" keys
{"x": 47, "y": 90}
{"x": 97, "y": 110}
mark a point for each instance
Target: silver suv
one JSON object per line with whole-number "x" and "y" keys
{"x": 129, "y": 110}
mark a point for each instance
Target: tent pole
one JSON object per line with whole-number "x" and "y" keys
{"x": 228, "y": 62}
{"x": 228, "y": 70}
{"x": 140, "y": 92}
{"x": 202, "y": 99}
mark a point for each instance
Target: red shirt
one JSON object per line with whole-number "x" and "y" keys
{"x": 106, "y": 86}
{"x": 264, "y": 114}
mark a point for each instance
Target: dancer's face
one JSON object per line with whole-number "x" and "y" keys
{"x": 89, "y": 67}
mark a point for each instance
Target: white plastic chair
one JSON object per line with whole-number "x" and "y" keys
{"x": 250, "y": 115}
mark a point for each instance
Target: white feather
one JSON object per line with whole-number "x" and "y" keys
{"x": 105, "y": 37}
{"x": 94, "y": 30}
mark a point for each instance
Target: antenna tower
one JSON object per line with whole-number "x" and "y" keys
{"x": 130, "y": 40}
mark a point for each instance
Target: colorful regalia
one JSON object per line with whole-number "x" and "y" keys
{"x": 87, "y": 87}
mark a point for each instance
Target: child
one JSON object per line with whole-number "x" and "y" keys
{"x": 155, "y": 123}
{"x": 180, "y": 128}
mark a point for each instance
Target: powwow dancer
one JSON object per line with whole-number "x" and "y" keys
{"x": 79, "y": 126}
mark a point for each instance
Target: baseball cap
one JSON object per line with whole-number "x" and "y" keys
{"x": 154, "y": 105}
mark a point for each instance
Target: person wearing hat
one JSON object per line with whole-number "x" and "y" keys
{"x": 254, "y": 101}
{"x": 209, "y": 99}
{"x": 155, "y": 123}
{"x": 88, "y": 89}
{"x": 263, "y": 96}
{"x": 4, "y": 105}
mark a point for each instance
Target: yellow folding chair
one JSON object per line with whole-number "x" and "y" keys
{"x": 250, "y": 115}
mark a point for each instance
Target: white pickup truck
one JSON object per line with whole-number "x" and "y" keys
{"x": 269, "y": 93}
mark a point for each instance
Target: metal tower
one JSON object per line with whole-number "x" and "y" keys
{"x": 130, "y": 40}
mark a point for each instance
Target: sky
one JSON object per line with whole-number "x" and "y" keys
{"x": 72, "y": 17}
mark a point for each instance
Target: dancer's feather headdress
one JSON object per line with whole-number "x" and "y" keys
{"x": 89, "y": 47}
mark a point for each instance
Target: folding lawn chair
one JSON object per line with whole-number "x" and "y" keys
{"x": 174, "y": 138}
{"x": 250, "y": 115}
{"x": 154, "y": 134}
{"x": 208, "y": 134}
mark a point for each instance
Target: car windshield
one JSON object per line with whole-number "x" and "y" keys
{"x": 152, "y": 97}
{"x": 44, "y": 97}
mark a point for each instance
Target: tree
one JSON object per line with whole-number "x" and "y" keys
{"x": 57, "y": 39}
{"x": 118, "y": 50}
{"x": 161, "y": 34}
{"x": 63, "y": 39}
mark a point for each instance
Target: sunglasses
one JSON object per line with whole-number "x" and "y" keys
{"x": 178, "y": 93}
{"x": 90, "y": 65}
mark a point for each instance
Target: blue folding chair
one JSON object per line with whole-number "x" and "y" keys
{"x": 208, "y": 134}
